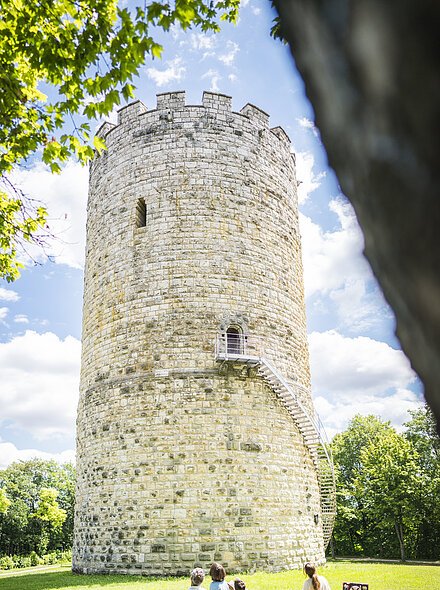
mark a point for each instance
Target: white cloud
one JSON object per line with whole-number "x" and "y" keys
{"x": 3, "y": 313}
{"x": 307, "y": 179}
{"x": 21, "y": 318}
{"x": 357, "y": 308}
{"x": 201, "y": 41}
{"x": 175, "y": 71}
{"x": 395, "y": 407}
{"x": 176, "y": 31}
{"x": 330, "y": 257}
{"x": 204, "y": 44}
{"x": 356, "y": 365}
{"x": 65, "y": 196}
{"x": 256, "y": 10}
{"x": 232, "y": 78}
{"x": 359, "y": 375}
{"x": 308, "y": 124}
{"x": 228, "y": 58}
{"x": 9, "y": 454}
{"x": 39, "y": 387}
{"x": 214, "y": 78}
{"x": 338, "y": 275}
{"x": 8, "y": 295}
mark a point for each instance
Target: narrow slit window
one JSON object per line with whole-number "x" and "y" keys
{"x": 141, "y": 213}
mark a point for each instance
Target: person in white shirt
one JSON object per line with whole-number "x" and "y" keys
{"x": 314, "y": 582}
{"x": 197, "y": 577}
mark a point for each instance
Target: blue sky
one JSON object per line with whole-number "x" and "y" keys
{"x": 357, "y": 366}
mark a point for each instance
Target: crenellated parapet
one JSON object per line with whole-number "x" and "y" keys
{"x": 171, "y": 109}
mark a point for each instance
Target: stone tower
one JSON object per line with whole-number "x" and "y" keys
{"x": 196, "y": 433}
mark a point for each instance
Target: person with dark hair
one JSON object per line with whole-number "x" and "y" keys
{"x": 218, "y": 575}
{"x": 239, "y": 585}
{"x": 197, "y": 577}
{"x": 314, "y": 581}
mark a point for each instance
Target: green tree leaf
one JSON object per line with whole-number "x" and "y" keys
{"x": 4, "y": 502}
{"x": 99, "y": 144}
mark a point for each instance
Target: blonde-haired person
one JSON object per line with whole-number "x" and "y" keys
{"x": 314, "y": 581}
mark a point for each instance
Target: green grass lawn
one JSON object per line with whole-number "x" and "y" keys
{"x": 382, "y": 576}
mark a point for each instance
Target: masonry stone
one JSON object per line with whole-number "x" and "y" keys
{"x": 183, "y": 458}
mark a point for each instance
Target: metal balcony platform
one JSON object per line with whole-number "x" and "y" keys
{"x": 238, "y": 358}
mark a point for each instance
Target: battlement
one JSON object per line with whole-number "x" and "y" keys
{"x": 215, "y": 104}
{"x": 280, "y": 133}
{"x": 130, "y": 112}
{"x": 170, "y": 100}
{"x": 105, "y": 128}
{"x": 256, "y": 114}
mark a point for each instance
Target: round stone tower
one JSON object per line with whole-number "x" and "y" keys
{"x": 196, "y": 437}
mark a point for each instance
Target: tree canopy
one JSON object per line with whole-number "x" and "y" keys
{"x": 39, "y": 516}
{"x": 388, "y": 488}
{"x": 60, "y": 61}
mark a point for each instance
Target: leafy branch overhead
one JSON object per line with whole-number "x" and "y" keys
{"x": 64, "y": 59}
{"x": 89, "y": 51}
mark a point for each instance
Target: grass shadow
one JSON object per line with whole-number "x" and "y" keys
{"x": 49, "y": 580}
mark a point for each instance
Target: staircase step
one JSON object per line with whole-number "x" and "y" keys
{"x": 312, "y": 438}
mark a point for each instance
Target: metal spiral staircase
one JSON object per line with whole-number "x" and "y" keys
{"x": 237, "y": 349}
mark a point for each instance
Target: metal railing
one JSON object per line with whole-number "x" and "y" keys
{"x": 237, "y": 347}
{"x": 242, "y": 347}
{"x": 315, "y": 438}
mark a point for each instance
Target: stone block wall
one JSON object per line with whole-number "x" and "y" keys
{"x": 183, "y": 460}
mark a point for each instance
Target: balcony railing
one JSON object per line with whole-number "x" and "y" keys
{"x": 237, "y": 346}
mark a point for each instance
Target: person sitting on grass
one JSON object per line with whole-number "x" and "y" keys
{"x": 218, "y": 575}
{"x": 197, "y": 577}
{"x": 316, "y": 582}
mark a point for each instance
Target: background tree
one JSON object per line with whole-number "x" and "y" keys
{"x": 352, "y": 533}
{"x": 4, "y": 502}
{"x": 388, "y": 488}
{"x": 61, "y": 60}
{"x": 421, "y": 432}
{"x": 50, "y": 516}
{"x": 40, "y": 516}
{"x": 387, "y": 483}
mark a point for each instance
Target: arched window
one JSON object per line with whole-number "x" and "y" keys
{"x": 234, "y": 340}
